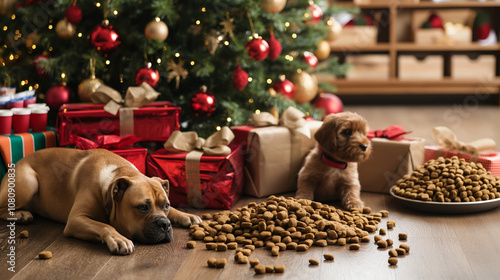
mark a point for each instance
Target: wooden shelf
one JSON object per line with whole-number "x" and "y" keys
{"x": 455, "y": 47}
{"x": 393, "y": 47}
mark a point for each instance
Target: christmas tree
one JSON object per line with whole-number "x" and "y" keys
{"x": 219, "y": 60}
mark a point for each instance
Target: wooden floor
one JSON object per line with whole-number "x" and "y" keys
{"x": 442, "y": 246}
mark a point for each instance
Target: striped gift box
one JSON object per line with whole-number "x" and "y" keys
{"x": 16, "y": 146}
{"x": 490, "y": 162}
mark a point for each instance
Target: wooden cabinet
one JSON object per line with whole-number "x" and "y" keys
{"x": 395, "y": 39}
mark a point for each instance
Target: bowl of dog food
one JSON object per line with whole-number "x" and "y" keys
{"x": 450, "y": 186}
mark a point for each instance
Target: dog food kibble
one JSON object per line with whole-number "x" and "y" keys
{"x": 328, "y": 257}
{"x": 405, "y": 246}
{"x": 382, "y": 244}
{"x": 401, "y": 251}
{"x": 393, "y": 253}
{"x": 313, "y": 262}
{"x": 191, "y": 244}
{"x": 260, "y": 269}
{"x": 286, "y": 223}
{"x": 354, "y": 247}
{"x": 221, "y": 263}
{"x": 211, "y": 262}
{"x": 393, "y": 260}
{"x": 24, "y": 234}
{"x": 279, "y": 268}
{"x": 254, "y": 262}
{"x": 211, "y": 246}
{"x": 389, "y": 242}
{"x": 206, "y": 216}
{"x": 45, "y": 255}
{"x": 449, "y": 180}
{"x": 403, "y": 236}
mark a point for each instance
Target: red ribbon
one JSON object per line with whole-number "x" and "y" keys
{"x": 393, "y": 132}
{"x": 103, "y": 141}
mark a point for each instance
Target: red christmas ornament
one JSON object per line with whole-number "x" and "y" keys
{"x": 73, "y": 14}
{"x": 274, "y": 47}
{"x": 311, "y": 59}
{"x": 36, "y": 63}
{"x": 284, "y": 87}
{"x": 240, "y": 78}
{"x": 258, "y": 49}
{"x": 148, "y": 75}
{"x": 315, "y": 13}
{"x": 57, "y": 96}
{"x": 329, "y": 102}
{"x": 203, "y": 102}
{"x": 104, "y": 38}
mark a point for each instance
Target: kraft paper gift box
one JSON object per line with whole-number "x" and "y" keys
{"x": 479, "y": 151}
{"x": 121, "y": 146}
{"x": 16, "y": 146}
{"x": 200, "y": 176}
{"x": 132, "y": 116}
{"x": 275, "y": 154}
{"x": 390, "y": 160}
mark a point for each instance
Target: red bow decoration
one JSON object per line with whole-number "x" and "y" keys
{"x": 103, "y": 142}
{"x": 393, "y": 132}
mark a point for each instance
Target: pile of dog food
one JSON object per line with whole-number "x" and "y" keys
{"x": 282, "y": 223}
{"x": 449, "y": 180}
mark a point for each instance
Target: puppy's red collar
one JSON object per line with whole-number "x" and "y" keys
{"x": 328, "y": 160}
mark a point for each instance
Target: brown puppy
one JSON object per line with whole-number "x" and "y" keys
{"x": 330, "y": 170}
{"x": 96, "y": 193}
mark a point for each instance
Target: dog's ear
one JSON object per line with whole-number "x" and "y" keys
{"x": 164, "y": 183}
{"x": 118, "y": 188}
{"x": 326, "y": 135}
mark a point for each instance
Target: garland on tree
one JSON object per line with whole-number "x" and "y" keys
{"x": 176, "y": 46}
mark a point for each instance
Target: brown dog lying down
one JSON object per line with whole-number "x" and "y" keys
{"x": 98, "y": 194}
{"x": 330, "y": 170}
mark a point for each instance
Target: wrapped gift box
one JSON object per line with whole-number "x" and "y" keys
{"x": 390, "y": 160}
{"x": 221, "y": 177}
{"x": 273, "y": 157}
{"x": 136, "y": 155}
{"x": 490, "y": 161}
{"x": 152, "y": 122}
{"x": 16, "y": 146}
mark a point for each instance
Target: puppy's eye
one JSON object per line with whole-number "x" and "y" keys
{"x": 166, "y": 207}
{"x": 346, "y": 132}
{"x": 143, "y": 208}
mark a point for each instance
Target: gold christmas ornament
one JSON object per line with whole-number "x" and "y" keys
{"x": 323, "y": 50}
{"x": 65, "y": 29}
{"x": 89, "y": 86}
{"x": 212, "y": 40}
{"x": 156, "y": 29}
{"x": 228, "y": 26}
{"x": 272, "y": 6}
{"x": 177, "y": 72}
{"x": 306, "y": 87}
{"x": 334, "y": 29}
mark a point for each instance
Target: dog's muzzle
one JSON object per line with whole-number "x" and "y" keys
{"x": 363, "y": 147}
{"x": 159, "y": 230}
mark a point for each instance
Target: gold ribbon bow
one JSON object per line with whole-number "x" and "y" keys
{"x": 446, "y": 138}
{"x": 134, "y": 98}
{"x": 291, "y": 118}
{"x": 215, "y": 144}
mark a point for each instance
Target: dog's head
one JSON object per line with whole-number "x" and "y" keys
{"x": 343, "y": 136}
{"x": 139, "y": 207}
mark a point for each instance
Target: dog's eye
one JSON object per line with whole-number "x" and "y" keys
{"x": 143, "y": 208}
{"x": 166, "y": 207}
{"x": 346, "y": 132}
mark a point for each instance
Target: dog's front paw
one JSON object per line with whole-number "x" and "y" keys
{"x": 352, "y": 203}
{"x": 119, "y": 244}
{"x": 187, "y": 220}
{"x": 23, "y": 217}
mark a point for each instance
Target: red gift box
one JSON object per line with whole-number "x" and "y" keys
{"x": 221, "y": 177}
{"x": 118, "y": 145}
{"x": 490, "y": 161}
{"x": 152, "y": 122}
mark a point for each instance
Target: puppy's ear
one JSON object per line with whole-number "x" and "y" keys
{"x": 326, "y": 135}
